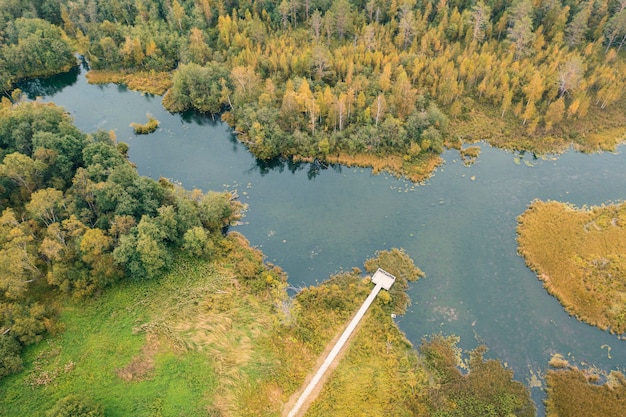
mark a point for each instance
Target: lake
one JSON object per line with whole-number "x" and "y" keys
{"x": 313, "y": 220}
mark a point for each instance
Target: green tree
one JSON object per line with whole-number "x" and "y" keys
{"x": 46, "y": 205}
{"x": 576, "y": 30}
{"x": 22, "y": 170}
{"x": 39, "y": 49}
{"x": 479, "y": 20}
{"x": 615, "y": 30}
{"x": 196, "y": 87}
{"x": 197, "y": 241}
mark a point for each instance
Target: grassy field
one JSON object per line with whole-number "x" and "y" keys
{"x": 106, "y": 353}
{"x": 215, "y": 339}
{"x": 579, "y": 254}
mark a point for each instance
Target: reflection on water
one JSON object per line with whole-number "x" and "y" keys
{"x": 312, "y": 169}
{"x": 314, "y": 219}
{"x": 43, "y": 87}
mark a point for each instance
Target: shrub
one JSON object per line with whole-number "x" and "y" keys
{"x": 10, "y": 360}
{"x": 75, "y": 406}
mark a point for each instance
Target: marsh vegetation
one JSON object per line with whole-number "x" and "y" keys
{"x": 578, "y": 253}
{"x": 146, "y": 128}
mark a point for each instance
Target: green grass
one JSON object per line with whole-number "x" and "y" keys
{"x": 100, "y": 338}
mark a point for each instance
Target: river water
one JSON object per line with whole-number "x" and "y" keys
{"x": 459, "y": 227}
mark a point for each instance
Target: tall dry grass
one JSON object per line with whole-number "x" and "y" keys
{"x": 572, "y": 394}
{"x": 580, "y": 255}
{"x": 599, "y": 130}
{"x": 148, "y": 82}
{"x": 416, "y": 171}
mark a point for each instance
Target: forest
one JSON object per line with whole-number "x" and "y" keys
{"x": 320, "y": 78}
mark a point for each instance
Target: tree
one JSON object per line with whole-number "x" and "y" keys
{"x": 151, "y": 248}
{"x": 247, "y": 84}
{"x": 615, "y": 30}
{"x": 535, "y": 87}
{"x": 570, "y": 75}
{"x": 177, "y": 14}
{"x": 17, "y": 262}
{"x": 196, "y": 87}
{"x": 197, "y": 50}
{"x": 341, "y": 10}
{"x": 46, "y": 205}
{"x": 22, "y": 170}
{"x": 322, "y": 60}
{"x": 479, "y": 20}
{"x": 284, "y": 9}
{"x": 378, "y": 108}
{"x": 576, "y": 30}
{"x": 316, "y": 25}
{"x": 555, "y": 113}
{"x": 520, "y": 32}
{"x": 38, "y": 50}
{"x": 196, "y": 241}
{"x": 406, "y": 26}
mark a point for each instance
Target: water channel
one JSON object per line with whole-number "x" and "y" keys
{"x": 459, "y": 227}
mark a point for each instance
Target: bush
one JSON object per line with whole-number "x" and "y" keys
{"x": 144, "y": 129}
{"x": 76, "y": 406}
{"x": 10, "y": 360}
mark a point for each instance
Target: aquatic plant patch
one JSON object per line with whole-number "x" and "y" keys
{"x": 580, "y": 255}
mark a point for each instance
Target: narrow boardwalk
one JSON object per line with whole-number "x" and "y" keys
{"x": 382, "y": 280}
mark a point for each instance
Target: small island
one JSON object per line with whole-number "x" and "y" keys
{"x": 146, "y": 128}
{"x": 579, "y": 254}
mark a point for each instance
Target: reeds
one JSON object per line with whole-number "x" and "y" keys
{"x": 416, "y": 171}
{"x": 148, "y": 82}
{"x": 580, "y": 255}
{"x": 571, "y": 392}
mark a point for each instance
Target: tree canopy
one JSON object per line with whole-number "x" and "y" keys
{"x": 76, "y": 217}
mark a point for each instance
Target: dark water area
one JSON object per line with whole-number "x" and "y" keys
{"x": 313, "y": 220}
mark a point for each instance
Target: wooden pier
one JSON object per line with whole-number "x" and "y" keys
{"x": 382, "y": 279}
